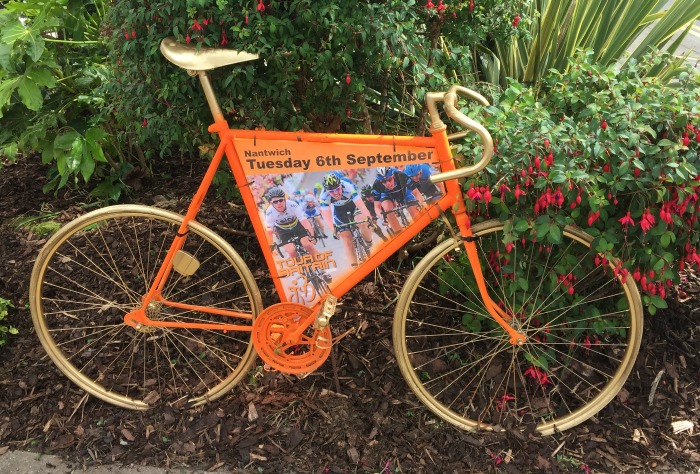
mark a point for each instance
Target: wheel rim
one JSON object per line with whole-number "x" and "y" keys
{"x": 461, "y": 365}
{"x": 89, "y": 275}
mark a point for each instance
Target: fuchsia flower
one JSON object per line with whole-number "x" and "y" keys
{"x": 503, "y": 402}
{"x": 502, "y": 190}
{"x": 626, "y": 220}
{"x": 538, "y": 375}
{"x": 261, "y": 6}
{"x": 647, "y": 221}
{"x": 593, "y": 217}
{"x": 665, "y": 212}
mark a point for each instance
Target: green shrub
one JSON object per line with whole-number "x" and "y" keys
{"x": 5, "y": 330}
{"x": 325, "y": 65}
{"x": 51, "y": 62}
{"x": 609, "y": 151}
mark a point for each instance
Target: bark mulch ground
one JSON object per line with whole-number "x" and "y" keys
{"x": 354, "y": 415}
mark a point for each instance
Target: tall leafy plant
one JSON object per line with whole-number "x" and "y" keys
{"x": 616, "y": 32}
{"x": 52, "y": 62}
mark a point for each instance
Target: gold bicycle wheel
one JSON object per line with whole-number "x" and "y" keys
{"x": 583, "y": 325}
{"x": 98, "y": 267}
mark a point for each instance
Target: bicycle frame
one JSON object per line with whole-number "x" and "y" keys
{"x": 234, "y": 142}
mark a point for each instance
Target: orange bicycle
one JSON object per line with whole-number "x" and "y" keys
{"x": 494, "y": 327}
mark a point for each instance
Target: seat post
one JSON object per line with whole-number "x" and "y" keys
{"x": 210, "y": 95}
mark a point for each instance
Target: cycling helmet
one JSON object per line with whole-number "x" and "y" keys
{"x": 331, "y": 181}
{"x": 384, "y": 172}
{"x": 366, "y": 190}
{"x": 412, "y": 170}
{"x": 310, "y": 198}
{"x": 275, "y": 192}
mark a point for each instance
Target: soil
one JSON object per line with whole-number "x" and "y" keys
{"x": 355, "y": 414}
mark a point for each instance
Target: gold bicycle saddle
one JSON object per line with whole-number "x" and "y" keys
{"x": 201, "y": 59}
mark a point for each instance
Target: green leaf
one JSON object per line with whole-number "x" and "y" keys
{"x": 96, "y": 152}
{"x": 95, "y": 134}
{"x": 42, "y": 76}
{"x": 557, "y": 176}
{"x": 87, "y": 167}
{"x": 36, "y": 48}
{"x": 13, "y": 32}
{"x": 5, "y": 50}
{"x": 555, "y": 234}
{"x": 68, "y": 151}
{"x": 658, "y": 301}
{"x": 6, "y": 89}
{"x": 520, "y": 224}
{"x": 30, "y": 94}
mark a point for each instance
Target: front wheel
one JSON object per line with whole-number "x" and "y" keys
{"x": 98, "y": 267}
{"x": 362, "y": 250}
{"x": 582, "y": 321}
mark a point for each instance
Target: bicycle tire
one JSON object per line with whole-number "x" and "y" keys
{"x": 317, "y": 232}
{"x": 96, "y": 269}
{"x": 581, "y": 343}
{"x": 362, "y": 250}
{"x": 318, "y": 282}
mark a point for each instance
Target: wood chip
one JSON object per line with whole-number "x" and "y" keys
{"x": 252, "y": 412}
{"x": 128, "y": 435}
{"x": 654, "y": 386}
{"x": 682, "y": 425}
{"x": 354, "y": 455}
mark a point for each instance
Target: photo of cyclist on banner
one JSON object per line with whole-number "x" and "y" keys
{"x": 285, "y": 218}
{"x": 313, "y": 211}
{"x": 394, "y": 195}
{"x": 368, "y": 198}
{"x": 342, "y": 207}
{"x": 420, "y": 180}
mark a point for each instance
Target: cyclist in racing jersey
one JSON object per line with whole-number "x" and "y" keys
{"x": 286, "y": 218}
{"x": 340, "y": 204}
{"x": 312, "y": 211}
{"x": 392, "y": 190}
{"x": 368, "y": 198}
{"x": 420, "y": 180}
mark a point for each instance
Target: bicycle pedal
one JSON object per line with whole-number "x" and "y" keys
{"x": 326, "y": 311}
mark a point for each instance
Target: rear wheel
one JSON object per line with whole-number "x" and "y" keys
{"x": 98, "y": 267}
{"x": 582, "y": 321}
